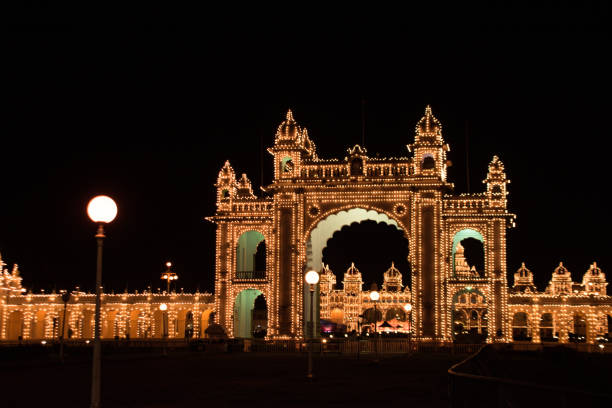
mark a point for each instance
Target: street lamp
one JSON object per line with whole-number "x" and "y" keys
{"x": 374, "y": 296}
{"x": 169, "y": 275}
{"x": 101, "y": 210}
{"x": 408, "y": 308}
{"x": 312, "y": 278}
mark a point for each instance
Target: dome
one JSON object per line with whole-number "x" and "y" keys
{"x": 352, "y": 270}
{"x": 429, "y": 125}
{"x": 289, "y": 128}
{"x": 561, "y": 270}
{"x": 523, "y": 272}
{"x": 393, "y": 272}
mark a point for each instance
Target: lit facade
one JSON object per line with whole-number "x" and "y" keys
{"x": 134, "y": 315}
{"x": 287, "y": 227}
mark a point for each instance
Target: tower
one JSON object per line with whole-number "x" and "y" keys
{"x": 497, "y": 183}
{"x": 352, "y": 282}
{"x": 429, "y": 148}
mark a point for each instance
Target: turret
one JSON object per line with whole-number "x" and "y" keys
{"x": 497, "y": 183}
{"x": 244, "y": 189}
{"x": 523, "y": 280}
{"x": 392, "y": 279}
{"x": 327, "y": 280}
{"x": 561, "y": 281}
{"x": 292, "y": 145}
{"x": 594, "y": 281}
{"x": 352, "y": 280}
{"x": 226, "y": 187}
{"x": 429, "y": 147}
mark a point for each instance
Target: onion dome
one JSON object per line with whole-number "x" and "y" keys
{"x": 288, "y": 129}
{"x": 352, "y": 270}
{"x": 429, "y": 125}
{"x": 561, "y": 271}
{"x": 594, "y": 280}
{"x": 392, "y": 272}
{"x": 523, "y": 272}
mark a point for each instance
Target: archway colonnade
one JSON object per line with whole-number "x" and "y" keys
{"x": 124, "y": 316}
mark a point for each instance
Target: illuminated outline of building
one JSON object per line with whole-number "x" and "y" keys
{"x": 285, "y": 231}
{"x": 310, "y": 198}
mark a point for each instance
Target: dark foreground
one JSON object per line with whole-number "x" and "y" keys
{"x": 195, "y": 379}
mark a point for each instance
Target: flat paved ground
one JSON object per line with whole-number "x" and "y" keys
{"x": 196, "y": 379}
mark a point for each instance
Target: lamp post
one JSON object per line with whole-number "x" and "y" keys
{"x": 312, "y": 278}
{"x": 65, "y": 299}
{"x": 164, "y": 307}
{"x": 101, "y": 210}
{"x": 169, "y": 275}
{"x": 408, "y": 308}
{"x": 374, "y": 296}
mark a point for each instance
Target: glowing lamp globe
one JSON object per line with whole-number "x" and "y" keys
{"x": 374, "y": 296}
{"x": 163, "y": 307}
{"x": 168, "y": 264}
{"x": 312, "y": 277}
{"x": 407, "y": 307}
{"x": 102, "y": 209}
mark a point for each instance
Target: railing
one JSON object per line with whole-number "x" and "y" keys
{"x": 250, "y": 274}
{"x": 472, "y": 383}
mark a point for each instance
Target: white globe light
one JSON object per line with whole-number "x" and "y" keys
{"x": 407, "y": 307}
{"x": 374, "y": 295}
{"x": 102, "y": 209}
{"x": 163, "y": 307}
{"x": 312, "y": 277}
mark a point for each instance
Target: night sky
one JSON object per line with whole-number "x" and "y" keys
{"x": 149, "y": 115}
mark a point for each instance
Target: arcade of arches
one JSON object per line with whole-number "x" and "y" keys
{"x": 457, "y": 283}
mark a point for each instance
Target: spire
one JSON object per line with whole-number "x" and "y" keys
{"x": 429, "y": 127}
{"x": 288, "y": 130}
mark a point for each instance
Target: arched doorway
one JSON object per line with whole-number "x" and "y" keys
{"x": 546, "y": 327}
{"x": 260, "y": 317}
{"x": 251, "y": 256}
{"x": 370, "y": 261}
{"x": 243, "y": 312}
{"x": 38, "y": 328}
{"x": 580, "y": 328}
{"x": 520, "y": 326}
{"x": 205, "y": 320}
{"x": 14, "y": 325}
{"x": 470, "y": 245}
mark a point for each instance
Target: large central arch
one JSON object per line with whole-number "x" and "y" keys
{"x": 326, "y": 227}
{"x": 322, "y": 231}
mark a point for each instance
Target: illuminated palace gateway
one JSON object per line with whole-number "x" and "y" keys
{"x": 266, "y": 244}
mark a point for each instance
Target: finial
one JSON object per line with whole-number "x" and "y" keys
{"x": 289, "y": 116}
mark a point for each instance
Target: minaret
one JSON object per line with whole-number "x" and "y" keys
{"x": 497, "y": 183}
{"x": 429, "y": 147}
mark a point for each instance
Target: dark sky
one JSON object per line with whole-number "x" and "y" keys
{"x": 149, "y": 114}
